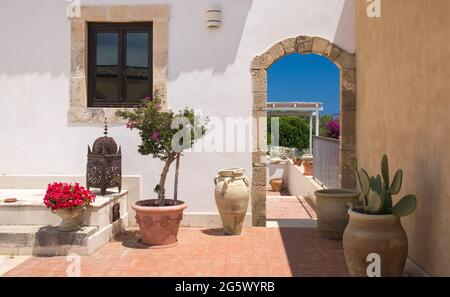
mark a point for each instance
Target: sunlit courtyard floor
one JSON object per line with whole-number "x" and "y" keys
{"x": 275, "y": 251}
{"x": 206, "y": 252}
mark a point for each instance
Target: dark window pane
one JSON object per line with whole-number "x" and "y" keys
{"x": 107, "y": 67}
{"x": 136, "y": 71}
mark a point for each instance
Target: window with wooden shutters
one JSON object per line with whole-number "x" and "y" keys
{"x": 119, "y": 64}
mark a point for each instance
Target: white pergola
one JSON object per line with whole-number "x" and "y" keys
{"x": 305, "y": 109}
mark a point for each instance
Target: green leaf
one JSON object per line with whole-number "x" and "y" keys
{"x": 375, "y": 183}
{"x": 385, "y": 170}
{"x": 374, "y": 202}
{"x": 387, "y": 201}
{"x": 364, "y": 183}
{"x": 396, "y": 182}
{"x": 405, "y": 206}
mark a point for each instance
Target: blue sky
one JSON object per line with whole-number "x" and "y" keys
{"x": 306, "y": 78}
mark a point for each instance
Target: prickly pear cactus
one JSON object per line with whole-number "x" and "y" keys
{"x": 377, "y": 191}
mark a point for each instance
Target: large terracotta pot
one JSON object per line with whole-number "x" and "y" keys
{"x": 276, "y": 184}
{"x": 307, "y": 167}
{"x": 332, "y": 211}
{"x": 70, "y": 218}
{"x": 381, "y": 234}
{"x": 159, "y": 224}
{"x": 231, "y": 195}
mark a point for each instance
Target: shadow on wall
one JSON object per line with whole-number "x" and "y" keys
{"x": 346, "y": 24}
{"x": 195, "y": 47}
{"x": 40, "y": 48}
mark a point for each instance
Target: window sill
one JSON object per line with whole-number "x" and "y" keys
{"x": 93, "y": 115}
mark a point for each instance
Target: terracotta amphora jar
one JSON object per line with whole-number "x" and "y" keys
{"x": 332, "y": 211}
{"x": 159, "y": 224}
{"x": 276, "y": 184}
{"x": 381, "y": 234}
{"x": 232, "y": 195}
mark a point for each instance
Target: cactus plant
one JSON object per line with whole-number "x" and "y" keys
{"x": 377, "y": 191}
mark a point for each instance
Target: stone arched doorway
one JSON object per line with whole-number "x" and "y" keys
{"x": 347, "y": 154}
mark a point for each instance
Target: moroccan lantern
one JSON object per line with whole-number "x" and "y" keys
{"x": 104, "y": 164}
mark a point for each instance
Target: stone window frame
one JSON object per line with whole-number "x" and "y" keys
{"x": 159, "y": 15}
{"x": 346, "y": 62}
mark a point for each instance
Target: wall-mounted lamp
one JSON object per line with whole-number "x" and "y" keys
{"x": 214, "y": 17}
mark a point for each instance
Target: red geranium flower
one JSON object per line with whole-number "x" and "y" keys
{"x": 64, "y": 195}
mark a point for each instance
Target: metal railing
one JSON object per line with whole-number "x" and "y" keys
{"x": 326, "y": 161}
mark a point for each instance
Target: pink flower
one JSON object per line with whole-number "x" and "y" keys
{"x": 130, "y": 125}
{"x": 155, "y": 136}
{"x": 148, "y": 98}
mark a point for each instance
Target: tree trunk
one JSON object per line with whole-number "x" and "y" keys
{"x": 175, "y": 190}
{"x": 162, "y": 180}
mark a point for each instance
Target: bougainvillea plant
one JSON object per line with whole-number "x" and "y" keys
{"x": 164, "y": 135}
{"x": 333, "y": 128}
{"x": 65, "y": 195}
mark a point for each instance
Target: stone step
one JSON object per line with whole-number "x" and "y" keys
{"x": 42, "y": 240}
{"x": 49, "y": 241}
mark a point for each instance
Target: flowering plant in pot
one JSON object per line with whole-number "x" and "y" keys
{"x": 297, "y": 158}
{"x": 164, "y": 135}
{"x": 68, "y": 201}
{"x": 375, "y": 227}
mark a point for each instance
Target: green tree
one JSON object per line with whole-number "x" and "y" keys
{"x": 158, "y": 130}
{"x": 294, "y": 132}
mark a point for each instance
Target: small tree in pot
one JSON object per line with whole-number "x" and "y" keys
{"x": 164, "y": 135}
{"x": 376, "y": 227}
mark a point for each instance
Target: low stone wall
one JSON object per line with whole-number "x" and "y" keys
{"x": 131, "y": 183}
{"x": 299, "y": 184}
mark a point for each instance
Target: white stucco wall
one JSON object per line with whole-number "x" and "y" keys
{"x": 208, "y": 69}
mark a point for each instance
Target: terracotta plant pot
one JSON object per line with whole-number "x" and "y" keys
{"x": 276, "y": 184}
{"x": 159, "y": 224}
{"x": 381, "y": 234}
{"x": 308, "y": 167}
{"x": 231, "y": 195}
{"x": 332, "y": 211}
{"x": 70, "y": 218}
{"x": 297, "y": 162}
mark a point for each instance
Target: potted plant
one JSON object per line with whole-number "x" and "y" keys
{"x": 297, "y": 158}
{"x": 376, "y": 227}
{"x": 307, "y": 159}
{"x": 276, "y": 184}
{"x": 164, "y": 135}
{"x": 68, "y": 201}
